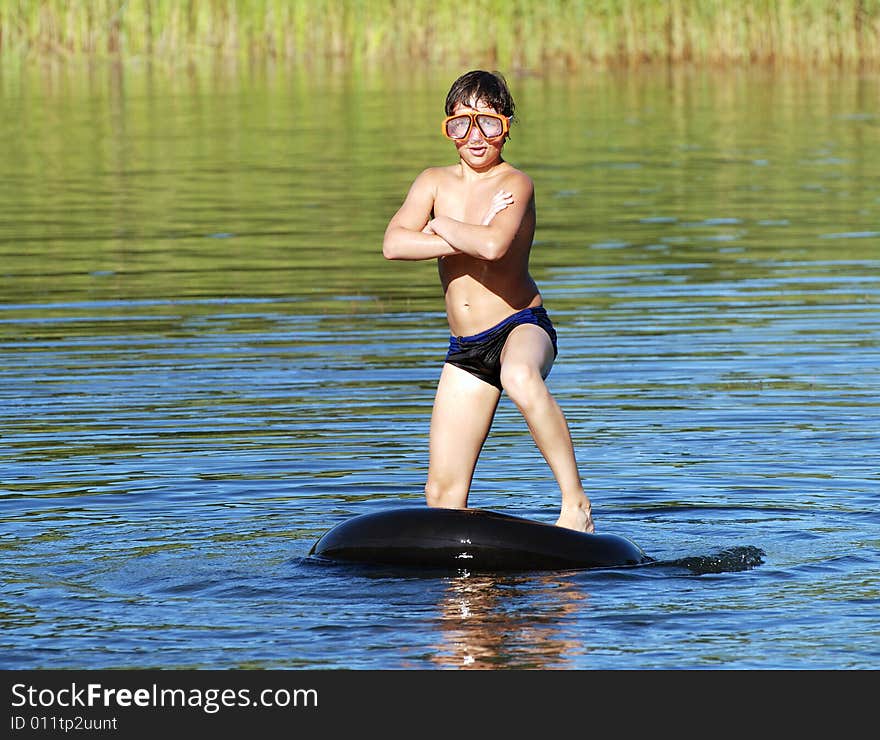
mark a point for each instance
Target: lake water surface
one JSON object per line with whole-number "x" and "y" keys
{"x": 206, "y": 363}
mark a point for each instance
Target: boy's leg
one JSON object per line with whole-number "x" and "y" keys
{"x": 463, "y": 411}
{"x": 525, "y": 362}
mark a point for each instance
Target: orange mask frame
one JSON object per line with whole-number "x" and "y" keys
{"x": 475, "y": 117}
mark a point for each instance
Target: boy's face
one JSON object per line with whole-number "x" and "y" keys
{"x": 477, "y": 150}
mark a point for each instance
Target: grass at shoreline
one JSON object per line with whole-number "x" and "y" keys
{"x": 510, "y": 34}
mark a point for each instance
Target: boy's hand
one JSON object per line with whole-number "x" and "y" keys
{"x": 500, "y": 201}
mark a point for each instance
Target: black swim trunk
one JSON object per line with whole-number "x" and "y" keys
{"x": 480, "y": 354}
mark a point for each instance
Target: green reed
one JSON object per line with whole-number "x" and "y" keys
{"x": 509, "y": 34}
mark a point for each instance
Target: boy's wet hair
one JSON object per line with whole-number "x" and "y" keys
{"x": 481, "y": 86}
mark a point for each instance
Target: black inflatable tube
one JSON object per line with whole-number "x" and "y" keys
{"x": 470, "y": 539}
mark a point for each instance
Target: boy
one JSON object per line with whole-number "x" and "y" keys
{"x": 477, "y": 219}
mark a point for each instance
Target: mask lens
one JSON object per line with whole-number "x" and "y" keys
{"x": 491, "y": 126}
{"x": 458, "y": 127}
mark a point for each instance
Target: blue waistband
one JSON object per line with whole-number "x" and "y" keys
{"x": 526, "y": 316}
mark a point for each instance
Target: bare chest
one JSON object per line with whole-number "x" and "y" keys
{"x": 466, "y": 202}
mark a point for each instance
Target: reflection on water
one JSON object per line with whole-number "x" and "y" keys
{"x": 493, "y": 622}
{"x": 207, "y": 363}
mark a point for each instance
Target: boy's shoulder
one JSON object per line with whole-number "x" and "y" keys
{"x": 517, "y": 182}
{"x": 438, "y": 173}
{"x": 515, "y": 175}
{"x": 431, "y": 177}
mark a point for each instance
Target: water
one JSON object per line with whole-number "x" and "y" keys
{"x": 207, "y": 364}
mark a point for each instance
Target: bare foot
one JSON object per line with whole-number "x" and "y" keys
{"x": 578, "y": 517}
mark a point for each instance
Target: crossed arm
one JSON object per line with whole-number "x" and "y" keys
{"x": 413, "y": 235}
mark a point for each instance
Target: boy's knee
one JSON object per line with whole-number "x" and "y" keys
{"x": 522, "y": 383}
{"x": 433, "y": 494}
